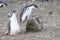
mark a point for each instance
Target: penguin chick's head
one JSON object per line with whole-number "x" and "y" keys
{"x": 2, "y": 4}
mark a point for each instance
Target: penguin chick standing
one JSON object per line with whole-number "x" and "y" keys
{"x": 26, "y": 12}
{"x": 2, "y": 4}
{"x": 13, "y": 26}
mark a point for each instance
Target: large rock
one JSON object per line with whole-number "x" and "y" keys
{"x": 34, "y": 25}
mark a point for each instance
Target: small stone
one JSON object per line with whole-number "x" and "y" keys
{"x": 50, "y": 13}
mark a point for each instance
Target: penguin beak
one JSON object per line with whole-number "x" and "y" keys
{"x": 36, "y": 6}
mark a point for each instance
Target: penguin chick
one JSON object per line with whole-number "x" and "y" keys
{"x": 26, "y": 12}
{"x": 13, "y": 26}
{"x": 2, "y": 4}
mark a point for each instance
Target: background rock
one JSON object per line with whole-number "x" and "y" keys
{"x": 34, "y": 24}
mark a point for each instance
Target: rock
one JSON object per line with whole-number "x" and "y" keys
{"x": 34, "y": 25}
{"x": 50, "y": 12}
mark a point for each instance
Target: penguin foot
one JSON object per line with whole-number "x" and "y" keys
{"x": 14, "y": 34}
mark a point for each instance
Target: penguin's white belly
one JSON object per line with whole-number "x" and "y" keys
{"x": 14, "y": 26}
{"x": 27, "y": 13}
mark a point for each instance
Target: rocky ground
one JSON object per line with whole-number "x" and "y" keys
{"x": 51, "y": 22}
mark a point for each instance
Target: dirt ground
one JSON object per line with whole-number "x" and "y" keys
{"x": 51, "y": 22}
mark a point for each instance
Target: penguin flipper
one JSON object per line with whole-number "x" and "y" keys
{"x": 8, "y": 25}
{"x": 25, "y": 19}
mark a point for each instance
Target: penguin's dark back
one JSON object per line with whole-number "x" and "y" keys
{"x": 22, "y": 12}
